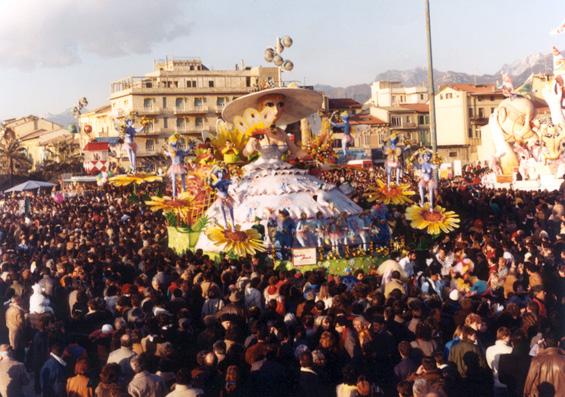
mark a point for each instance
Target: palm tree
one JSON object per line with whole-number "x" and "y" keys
{"x": 13, "y": 156}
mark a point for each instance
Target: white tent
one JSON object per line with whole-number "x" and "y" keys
{"x": 29, "y": 185}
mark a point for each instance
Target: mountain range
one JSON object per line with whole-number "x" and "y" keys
{"x": 519, "y": 71}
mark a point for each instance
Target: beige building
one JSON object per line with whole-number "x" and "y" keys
{"x": 179, "y": 95}
{"x": 36, "y": 133}
{"x": 461, "y": 111}
{"x": 404, "y": 109}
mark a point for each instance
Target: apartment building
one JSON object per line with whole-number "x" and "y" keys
{"x": 404, "y": 109}
{"x": 184, "y": 96}
{"x": 461, "y": 111}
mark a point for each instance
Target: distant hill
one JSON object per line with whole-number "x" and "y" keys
{"x": 64, "y": 118}
{"x": 519, "y": 71}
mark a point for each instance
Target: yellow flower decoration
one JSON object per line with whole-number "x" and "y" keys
{"x": 138, "y": 179}
{"x": 433, "y": 221}
{"x": 254, "y": 122}
{"x": 181, "y": 206}
{"x": 393, "y": 194}
{"x": 239, "y": 242}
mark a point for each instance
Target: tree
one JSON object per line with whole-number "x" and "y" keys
{"x": 13, "y": 156}
{"x": 62, "y": 157}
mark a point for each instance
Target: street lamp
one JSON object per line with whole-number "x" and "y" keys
{"x": 274, "y": 55}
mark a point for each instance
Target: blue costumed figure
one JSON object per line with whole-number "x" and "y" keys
{"x": 219, "y": 180}
{"x": 427, "y": 180}
{"x": 177, "y": 168}
{"x": 393, "y": 160}
{"x": 129, "y": 143}
{"x": 346, "y": 128}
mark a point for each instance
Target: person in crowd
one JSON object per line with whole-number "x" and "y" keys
{"x": 80, "y": 384}
{"x": 13, "y": 374}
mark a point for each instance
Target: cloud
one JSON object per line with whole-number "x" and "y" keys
{"x": 57, "y": 33}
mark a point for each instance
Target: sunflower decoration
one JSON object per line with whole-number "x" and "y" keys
{"x": 393, "y": 194}
{"x": 434, "y": 221}
{"x": 228, "y": 133}
{"x": 137, "y": 179}
{"x": 254, "y": 122}
{"x": 236, "y": 241}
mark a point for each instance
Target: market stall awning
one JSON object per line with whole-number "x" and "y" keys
{"x": 29, "y": 185}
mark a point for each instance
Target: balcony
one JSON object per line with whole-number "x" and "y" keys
{"x": 190, "y": 109}
{"x": 404, "y": 126}
{"x": 151, "y": 110}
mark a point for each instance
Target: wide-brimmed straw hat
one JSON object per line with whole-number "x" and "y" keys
{"x": 299, "y": 103}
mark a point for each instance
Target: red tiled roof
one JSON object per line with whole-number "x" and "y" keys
{"x": 33, "y": 135}
{"x": 417, "y": 107}
{"x": 95, "y": 146}
{"x": 365, "y": 119}
{"x": 343, "y": 103}
{"x": 474, "y": 89}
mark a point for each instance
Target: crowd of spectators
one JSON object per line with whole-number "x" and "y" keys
{"x": 95, "y": 304}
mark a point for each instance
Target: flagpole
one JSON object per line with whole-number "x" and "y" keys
{"x": 431, "y": 88}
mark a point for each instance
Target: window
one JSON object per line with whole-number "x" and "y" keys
{"x": 147, "y": 103}
{"x": 491, "y": 110}
{"x": 148, "y": 128}
{"x": 421, "y": 119}
{"x": 191, "y": 83}
{"x": 198, "y": 102}
{"x": 149, "y": 145}
{"x": 148, "y": 84}
{"x": 452, "y": 154}
{"x": 248, "y": 81}
{"x": 449, "y": 95}
{"x": 211, "y": 83}
{"x": 179, "y": 103}
{"x": 395, "y": 121}
{"x": 181, "y": 124}
{"x": 199, "y": 122}
{"x": 164, "y": 102}
{"x": 481, "y": 113}
{"x": 220, "y": 101}
{"x": 471, "y": 112}
{"x": 165, "y": 122}
{"x": 470, "y": 133}
{"x": 421, "y": 97}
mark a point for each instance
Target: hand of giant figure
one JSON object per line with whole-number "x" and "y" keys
{"x": 553, "y": 95}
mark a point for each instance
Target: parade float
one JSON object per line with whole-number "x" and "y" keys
{"x": 524, "y": 141}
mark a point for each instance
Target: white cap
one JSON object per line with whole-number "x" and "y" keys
{"x": 107, "y": 328}
{"x": 454, "y": 295}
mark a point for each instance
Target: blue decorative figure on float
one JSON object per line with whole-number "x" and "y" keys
{"x": 344, "y": 126}
{"x": 219, "y": 180}
{"x": 393, "y": 161}
{"x": 427, "y": 179}
{"x": 177, "y": 168}
{"x": 129, "y": 143}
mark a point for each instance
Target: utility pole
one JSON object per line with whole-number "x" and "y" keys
{"x": 431, "y": 88}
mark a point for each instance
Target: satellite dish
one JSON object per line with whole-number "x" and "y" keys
{"x": 278, "y": 60}
{"x": 269, "y": 54}
{"x": 287, "y": 41}
{"x": 279, "y": 47}
{"x": 288, "y": 65}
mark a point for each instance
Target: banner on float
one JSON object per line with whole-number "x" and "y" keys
{"x": 304, "y": 256}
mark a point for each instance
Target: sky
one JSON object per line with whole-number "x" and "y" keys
{"x": 53, "y": 52}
